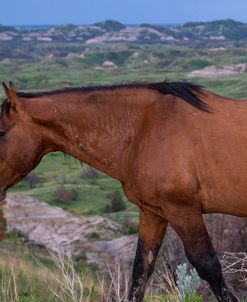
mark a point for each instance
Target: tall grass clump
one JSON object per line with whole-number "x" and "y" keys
{"x": 21, "y": 282}
{"x": 65, "y": 282}
{"x": 8, "y": 290}
{"x": 46, "y": 280}
{"x": 115, "y": 286}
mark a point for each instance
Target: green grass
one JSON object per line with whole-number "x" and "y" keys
{"x": 232, "y": 86}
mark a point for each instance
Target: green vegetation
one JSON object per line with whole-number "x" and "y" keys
{"x": 187, "y": 283}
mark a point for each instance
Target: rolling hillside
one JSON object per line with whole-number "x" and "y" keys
{"x": 113, "y": 31}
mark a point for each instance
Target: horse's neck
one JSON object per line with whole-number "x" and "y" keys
{"x": 93, "y": 130}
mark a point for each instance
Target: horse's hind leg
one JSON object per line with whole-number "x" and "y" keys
{"x": 151, "y": 232}
{"x": 189, "y": 225}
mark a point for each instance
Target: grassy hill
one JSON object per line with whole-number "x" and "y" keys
{"x": 230, "y": 29}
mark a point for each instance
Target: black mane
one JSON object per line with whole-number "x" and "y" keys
{"x": 183, "y": 90}
{"x": 5, "y": 107}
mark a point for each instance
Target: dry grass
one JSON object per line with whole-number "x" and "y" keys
{"x": 17, "y": 278}
{"x": 23, "y": 280}
{"x": 35, "y": 281}
{"x": 65, "y": 283}
{"x": 115, "y": 286}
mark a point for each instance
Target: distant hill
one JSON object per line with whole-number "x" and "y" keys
{"x": 229, "y": 29}
{"x": 7, "y": 28}
{"x": 110, "y": 25}
{"x": 114, "y": 31}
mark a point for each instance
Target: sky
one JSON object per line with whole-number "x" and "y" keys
{"x": 41, "y": 12}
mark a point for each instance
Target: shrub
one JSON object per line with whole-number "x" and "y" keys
{"x": 195, "y": 64}
{"x": 14, "y": 235}
{"x": 187, "y": 283}
{"x": 65, "y": 196}
{"x": 179, "y": 287}
{"x": 116, "y": 204}
{"x": 94, "y": 236}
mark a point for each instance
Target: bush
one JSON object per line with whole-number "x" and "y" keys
{"x": 195, "y": 64}
{"x": 94, "y": 236}
{"x": 187, "y": 283}
{"x": 116, "y": 204}
{"x": 65, "y": 196}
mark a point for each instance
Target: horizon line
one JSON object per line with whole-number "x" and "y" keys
{"x": 129, "y": 23}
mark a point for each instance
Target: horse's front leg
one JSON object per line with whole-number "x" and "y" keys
{"x": 151, "y": 232}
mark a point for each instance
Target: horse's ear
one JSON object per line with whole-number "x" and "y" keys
{"x": 11, "y": 95}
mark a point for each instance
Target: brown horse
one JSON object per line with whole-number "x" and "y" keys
{"x": 178, "y": 150}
